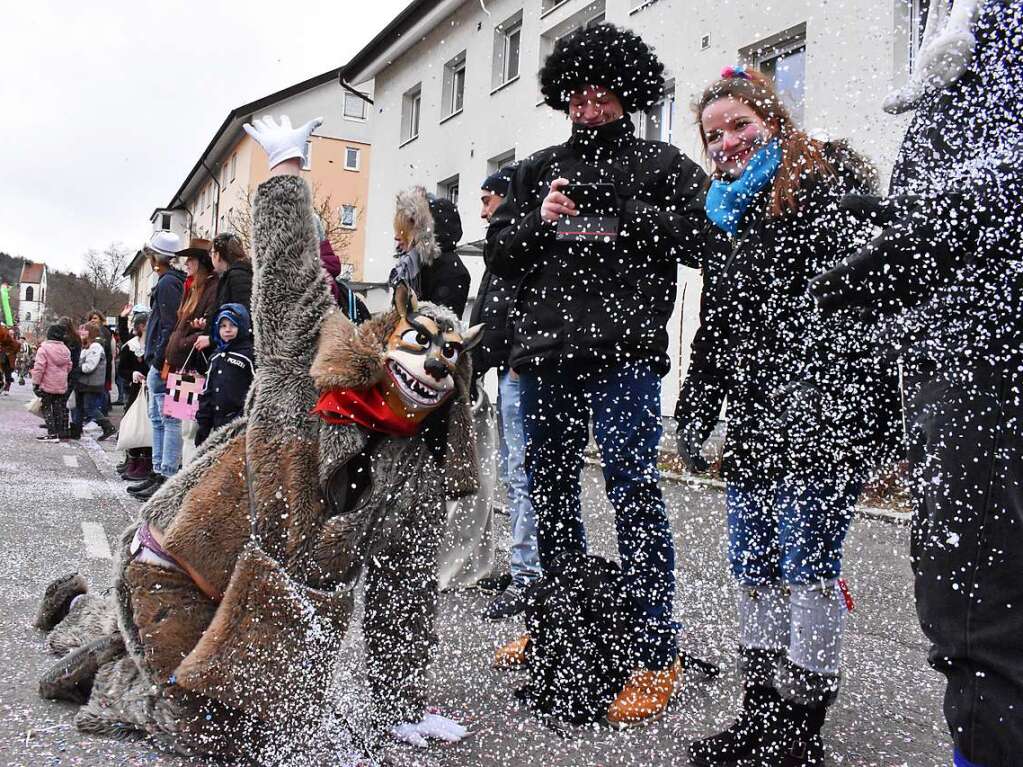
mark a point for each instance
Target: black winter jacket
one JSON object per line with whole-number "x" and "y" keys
{"x": 595, "y": 304}
{"x": 234, "y": 287}
{"x": 227, "y": 384}
{"x": 807, "y": 395}
{"x": 446, "y": 280}
{"x": 164, "y": 301}
{"x": 491, "y": 308}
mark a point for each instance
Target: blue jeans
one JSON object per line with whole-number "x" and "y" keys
{"x": 781, "y": 532}
{"x": 524, "y": 559}
{"x": 88, "y": 407}
{"x": 625, "y": 404}
{"x": 166, "y": 430}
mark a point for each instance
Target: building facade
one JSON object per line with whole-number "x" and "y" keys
{"x": 457, "y": 94}
{"x": 216, "y": 195}
{"x": 31, "y": 296}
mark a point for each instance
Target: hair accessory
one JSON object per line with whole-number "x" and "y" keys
{"x": 737, "y": 71}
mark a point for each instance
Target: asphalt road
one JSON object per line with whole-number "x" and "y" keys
{"x": 61, "y": 504}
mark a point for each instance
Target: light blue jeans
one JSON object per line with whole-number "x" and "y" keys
{"x": 166, "y": 430}
{"x": 524, "y": 561}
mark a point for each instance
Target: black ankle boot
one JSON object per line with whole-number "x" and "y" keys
{"x": 760, "y": 707}
{"x": 794, "y": 740}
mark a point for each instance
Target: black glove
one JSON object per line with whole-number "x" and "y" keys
{"x": 689, "y": 445}
{"x": 923, "y": 243}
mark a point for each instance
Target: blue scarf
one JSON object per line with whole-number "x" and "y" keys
{"x": 727, "y": 201}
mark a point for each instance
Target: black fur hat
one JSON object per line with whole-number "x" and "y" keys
{"x": 604, "y": 55}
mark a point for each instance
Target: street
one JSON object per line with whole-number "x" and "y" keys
{"x": 61, "y": 505}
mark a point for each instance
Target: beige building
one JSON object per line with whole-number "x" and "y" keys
{"x": 31, "y": 297}
{"x": 217, "y": 192}
{"x": 457, "y": 94}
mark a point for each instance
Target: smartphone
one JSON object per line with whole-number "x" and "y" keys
{"x": 599, "y": 199}
{"x": 597, "y": 214}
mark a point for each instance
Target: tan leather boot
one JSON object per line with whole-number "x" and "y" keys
{"x": 512, "y": 654}
{"x": 645, "y": 695}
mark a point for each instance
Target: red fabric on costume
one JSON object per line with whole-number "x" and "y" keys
{"x": 365, "y": 407}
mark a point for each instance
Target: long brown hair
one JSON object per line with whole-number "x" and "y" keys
{"x": 229, "y": 247}
{"x": 199, "y": 280}
{"x": 91, "y": 333}
{"x": 802, "y": 157}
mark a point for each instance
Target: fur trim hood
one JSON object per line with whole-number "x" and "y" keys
{"x": 436, "y": 225}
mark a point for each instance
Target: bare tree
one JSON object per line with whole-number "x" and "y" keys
{"x": 329, "y": 213}
{"x": 103, "y": 276}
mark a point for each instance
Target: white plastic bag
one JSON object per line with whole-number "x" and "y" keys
{"x": 35, "y": 406}
{"x": 136, "y": 430}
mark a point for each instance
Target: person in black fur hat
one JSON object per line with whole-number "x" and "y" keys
{"x": 589, "y": 324}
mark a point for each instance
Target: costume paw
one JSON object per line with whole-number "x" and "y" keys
{"x": 430, "y": 726}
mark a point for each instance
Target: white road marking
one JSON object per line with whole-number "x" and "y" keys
{"x": 71, "y": 461}
{"x": 96, "y": 544}
{"x": 81, "y": 489}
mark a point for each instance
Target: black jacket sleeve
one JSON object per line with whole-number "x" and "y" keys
{"x": 517, "y": 234}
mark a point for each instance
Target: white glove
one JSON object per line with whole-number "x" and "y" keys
{"x": 138, "y": 377}
{"x": 431, "y": 726}
{"x": 282, "y": 142}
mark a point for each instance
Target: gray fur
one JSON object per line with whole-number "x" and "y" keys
{"x": 413, "y": 204}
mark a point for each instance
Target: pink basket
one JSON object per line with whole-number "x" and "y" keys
{"x": 182, "y": 398}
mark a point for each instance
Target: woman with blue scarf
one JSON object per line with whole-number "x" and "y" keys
{"x": 812, "y": 408}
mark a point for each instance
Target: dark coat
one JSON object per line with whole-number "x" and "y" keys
{"x": 805, "y": 393}
{"x": 445, "y": 280}
{"x": 227, "y": 384}
{"x": 233, "y": 287}
{"x": 179, "y": 347}
{"x": 164, "y": 301}
{"x": 491, "y": 308}
{"x": 594, "y": 303}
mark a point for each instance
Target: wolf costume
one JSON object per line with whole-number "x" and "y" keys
{"x": 234, "y": 640}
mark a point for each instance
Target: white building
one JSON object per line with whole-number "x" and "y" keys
{"x": 457, "y": 95}
{"x": 31, "y": 295}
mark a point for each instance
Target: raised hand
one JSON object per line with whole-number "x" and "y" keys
{"x": 281, "y": 142}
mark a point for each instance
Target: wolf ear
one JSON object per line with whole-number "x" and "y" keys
{"x": 405, "y": 302}
{"x": 472, "y": 336}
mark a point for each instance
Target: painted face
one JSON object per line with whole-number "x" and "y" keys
{"x": 421, "y": 358}
{"x": 594, "y": 106}
{"x": 228, "y": 330}
{"x": 491, "y": 202}
{"x": 734, "y": 134}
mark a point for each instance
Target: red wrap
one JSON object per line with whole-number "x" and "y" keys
{"x": 365, "y": 407}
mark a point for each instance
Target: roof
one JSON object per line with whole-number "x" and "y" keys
{"x": 233, "y": 122}
{"x": 364, "y": 64}
{"x": 32, "y": 272}
{"x": 133, "y": 264}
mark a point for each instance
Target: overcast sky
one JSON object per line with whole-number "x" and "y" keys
{"x": 108, "y": 104}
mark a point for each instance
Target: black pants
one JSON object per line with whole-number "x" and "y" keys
{"x": 55, "y": 413}
{"x": 966, "y": 459}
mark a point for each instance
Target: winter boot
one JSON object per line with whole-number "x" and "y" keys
{"x": 143, "y": 483}
{"x": 124, "y": 465}
{"x": 57, "y": 600}
{"x": 143, "y": 468}
{"x": 760, "y": 706}
{"x": 72, "y": 676}
{"x": 150, "y": 490}
{"x": 127, "y": 467}
{"x": 74, "y": 431}
{"x": 645, "y": 696}
{"x": 794, "y": 739}
{"x": 108, "y": 428}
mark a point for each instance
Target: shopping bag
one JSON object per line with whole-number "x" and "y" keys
{"x": 35, "y": 406}
{"x": 136, "y": 430}
{"x": 188, "y": 431}
{"x": 72, "y": 401}
{"x": 182, "y": 398}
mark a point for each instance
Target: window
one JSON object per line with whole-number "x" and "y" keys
{"x": 507, "y": 50}
{"x": 783, "y": 59}
{"x": 347, "y": 215}
{"x": 454, "y": 86}
{"x": 918, "y": 10}
{"x": 495, "y": 164}
{"x": 234, "y": 166}
{"x": 29, "y": 293}
{"x": 411, "y": 106}
{"x": 307, "y": 156}
{"x": 448, "y": 189}
{"x": 351, "y": 158}
{"x": 354, "y": 106}
{"x": 546, "y": 6}
{"x": 28, "y": 316}
{"x": 657, "y": 124}
{"x": 223, "y": 175}
{"x": 165, "y": 221}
